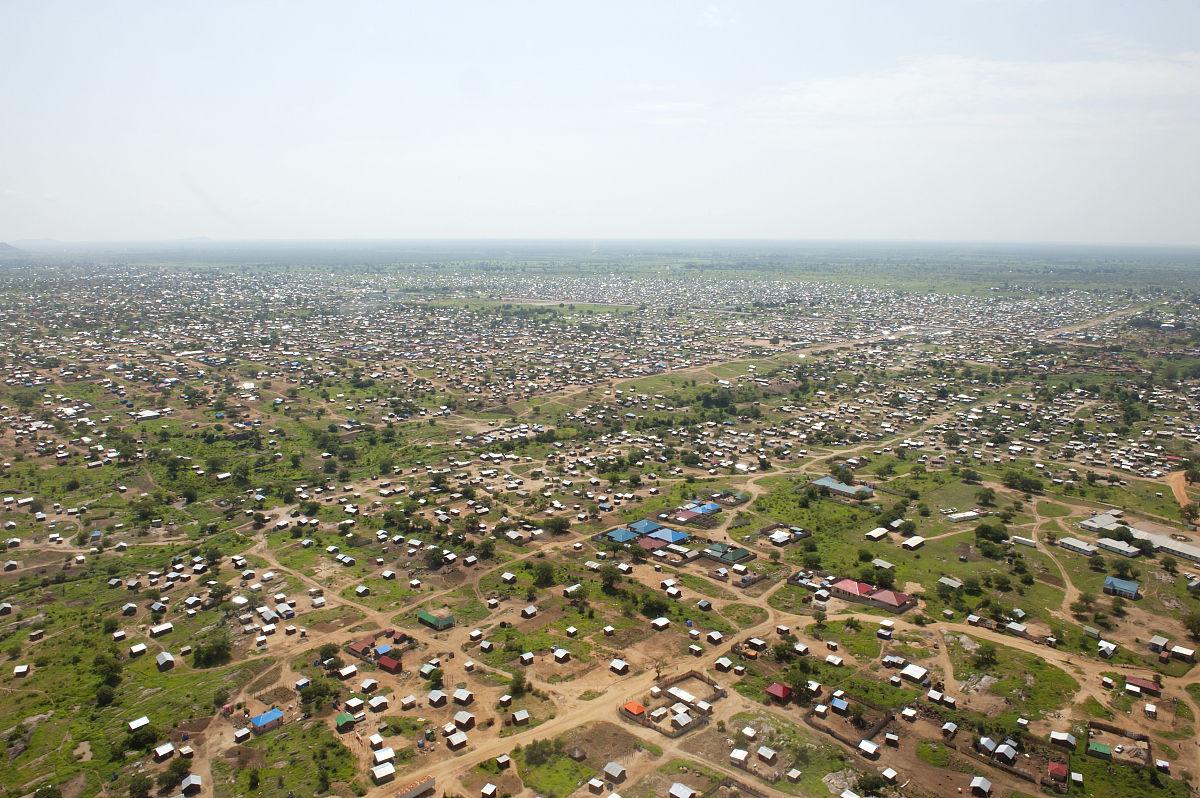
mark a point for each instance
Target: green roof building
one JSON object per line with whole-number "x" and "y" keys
{"x": 726, "y": 554}
{"x": 439, "y": 623}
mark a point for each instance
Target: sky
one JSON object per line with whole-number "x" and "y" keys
{"x": 978, "y": 120}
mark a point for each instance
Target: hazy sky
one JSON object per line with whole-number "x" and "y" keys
{"x": 983, "y": 120}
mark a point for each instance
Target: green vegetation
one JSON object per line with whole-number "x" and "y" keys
{"x": 476, "y": 444}
{"x": 744, "y": 615}
{"x": 1097, "y": 710}
{"x": 798, "y": 748}
{"x": 302, "y": 759}
{"x": 932, "y": 753}
{"x": 1030, "y": 686}
{"x": 547, "y": 770}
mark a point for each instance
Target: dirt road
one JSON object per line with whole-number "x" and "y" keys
{"x": 1178, "y": 482}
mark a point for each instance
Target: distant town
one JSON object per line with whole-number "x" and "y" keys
{"x": 675, "y": 523}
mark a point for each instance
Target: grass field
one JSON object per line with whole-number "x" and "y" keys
{"x": 797, "y": 748}
{"x": 555, "y": 776}
{"x": 297, "y": 759}
{"x": 1030, "y": 686}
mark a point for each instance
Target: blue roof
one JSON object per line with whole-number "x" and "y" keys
{"x": 621, "y": 535}
{"x": 711, "y": 507}
{"x": 270, "y": 716}
{"x": 645, "y": 526}
{"x": 383, "y": 649}
{"x": 669, "y": 535}
{"x": 1123, "y": 585}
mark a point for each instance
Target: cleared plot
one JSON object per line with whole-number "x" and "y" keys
{"x": 1026, "y": 685}
{"x": 297, "y": 759}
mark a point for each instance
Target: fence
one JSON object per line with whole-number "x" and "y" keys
{"x": 1136, "y": 736}
{"x": 697, "y": 723}
{"x": 729, "y": 784}
{"x": 885, "y": 718}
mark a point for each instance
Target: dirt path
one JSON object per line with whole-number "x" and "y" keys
{"x": 1070, "y": 592}
{"x": 1178, "y": 482}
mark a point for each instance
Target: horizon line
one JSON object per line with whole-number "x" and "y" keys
{"x": 202, "y": 240}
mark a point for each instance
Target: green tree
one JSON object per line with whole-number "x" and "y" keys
{"x": 175, "y": 773}
{"x": 139, "y": 786}
{"x": 1191, "y": 622}
{"x": 610, "y": 578}
{"x": 518, "y": 685}
{"x": 543, "y": 574}
{"x": 212, "y": 650}
{"x": 986, "y": 656}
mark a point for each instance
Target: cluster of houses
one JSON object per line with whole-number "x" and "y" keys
{"x": 192, "y": 783}
{"x": 386, "y": 654}
{"x": 825, "y": 588}
{"x": 651, "y": 536}
{"x": 672, "y": 709}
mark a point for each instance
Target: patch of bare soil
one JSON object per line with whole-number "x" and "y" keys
{"x": 757, "y": 589}
{"x": 267, "y": 679}
{"x": 74, "y": 787}
{"x": 658, "y": 783}
{"x": 508, "y": 782}
{"x": 839, "y": 781}
{"x": 966, "y": 550}
{"x": 625, "y": 638}
{"x": 601, "y": 743}
{"x": 276, "y": 696}
{"x": 454, "y": 578}
{"x": 709, "y": 745}
{"x": 83, "y": 751}
{"x": 660, "y": 646}
{"x": 979, "y": 683}
{"x": 194, "y": 726}
{"x": 968, "y": 643}
{"x": 243, "y": 757}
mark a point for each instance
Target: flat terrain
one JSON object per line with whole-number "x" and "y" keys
{"x": 786, "y": 530}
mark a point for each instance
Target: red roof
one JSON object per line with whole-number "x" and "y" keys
{"x": 779, "y": 691}
{"x": 647, "y": 542}
{"x": 634, "y": 708}
{"x": 389, "y": 664}
{"x": 1058, "y": 770}
{"x": 861, "y": 589}
{"x": 1142, "y": 684}
{"x": 891, "y": 598}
